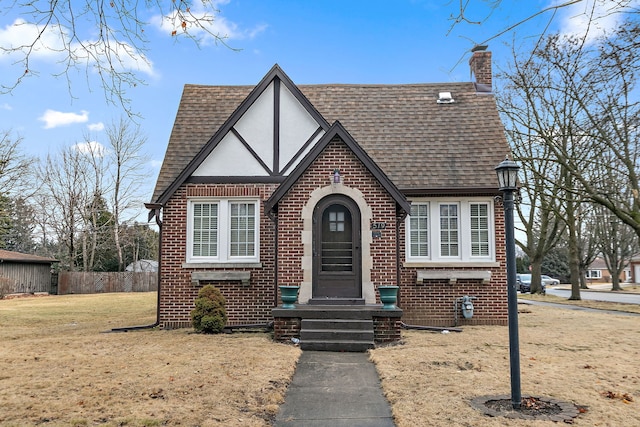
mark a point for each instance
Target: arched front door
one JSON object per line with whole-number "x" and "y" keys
{"x": 336, "y": 248}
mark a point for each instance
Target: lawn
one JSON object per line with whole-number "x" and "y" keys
{"x": 59, "y": 367}
{"x": 588, "y": 359}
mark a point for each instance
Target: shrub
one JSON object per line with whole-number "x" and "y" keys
{"x": 210, "y": 314}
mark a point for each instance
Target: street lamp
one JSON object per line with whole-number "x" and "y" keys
{"x": 507, "y": 172}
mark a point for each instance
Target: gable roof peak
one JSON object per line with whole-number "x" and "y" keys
{"x": 337, "y": 129}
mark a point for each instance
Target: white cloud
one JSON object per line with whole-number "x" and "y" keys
{"x": 212, "y": 23}
{"x": 96, "y": 127}
{"x": 91, "y": 147}
{"x": 47, "y": 44}
{"x": 54, "y": 45}
{"x": 593, "y": 18}
{"x": 156, "y": 164}
{"x": 6, "y": 106}
{"x": 53, "y": 119}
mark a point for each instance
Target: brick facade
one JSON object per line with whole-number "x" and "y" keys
{"x": 430, "y": 303}
{"x": 250, "y": 304}
{"x": 433, "y": 301}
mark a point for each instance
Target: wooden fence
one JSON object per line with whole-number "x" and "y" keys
{"x": 75, "y": 282}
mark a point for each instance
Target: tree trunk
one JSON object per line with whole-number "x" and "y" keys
{"x": 574, "y": 255}
{"x": 536, "y": 272}
{"x": 615, "y": 281}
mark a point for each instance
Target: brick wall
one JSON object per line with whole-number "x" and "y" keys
{"x": 355, "y": 175}
{"x": 431, "y": 303}
{"x": 245, "y": 304}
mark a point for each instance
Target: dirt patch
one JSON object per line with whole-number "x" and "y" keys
{"x": 531, "y": 408}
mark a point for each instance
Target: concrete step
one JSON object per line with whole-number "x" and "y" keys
{"x": 336, "y": 345}
{"x": 335, "y": 335}
{"x": 344, "y": 324}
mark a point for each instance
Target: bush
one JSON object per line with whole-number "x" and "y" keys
{"x": 210, "y": 314}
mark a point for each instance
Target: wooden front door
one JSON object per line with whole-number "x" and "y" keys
{"x": 336, "y": 248}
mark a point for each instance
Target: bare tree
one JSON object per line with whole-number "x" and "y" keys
{"x": 592, "y": 13}
{"x": 539, "y": 201}
{"x": 583, "y": 107}
{"x": 103, "y": 37}
{"x": 125, "y": 151}
{"x": 15, "y": 166}
{"x": 618, "y": 244}
{"x": 63, "y": 185}
{"x": 588, "y": 243}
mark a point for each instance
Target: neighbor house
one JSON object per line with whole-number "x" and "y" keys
{"x": 338, "y": 189}
{"x": 598, "y": 272}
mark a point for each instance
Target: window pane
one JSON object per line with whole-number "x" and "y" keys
{"x": 419, "y": 230}
{"x": 479, "y": 229}
{"x": 449, "y": 230}
{"x": 242, "y": 229}
{"x": 205, "y": 229}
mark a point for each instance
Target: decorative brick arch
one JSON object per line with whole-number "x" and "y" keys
{"x": 368, "y": 291}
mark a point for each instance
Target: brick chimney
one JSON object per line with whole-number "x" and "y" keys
{"x": 480, "y": 64}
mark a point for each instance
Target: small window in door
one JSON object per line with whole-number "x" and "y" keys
{"x": 336, "y": 221}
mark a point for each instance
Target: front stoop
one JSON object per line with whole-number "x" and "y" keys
{"x": 336, "y": 334}
{"x": 352, "y": 328}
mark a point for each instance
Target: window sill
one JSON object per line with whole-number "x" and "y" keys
{"x": 451, "y": 264}
{"x": 220, "y": 276}
{"x": 453, "y": 275}
{"x": 221, "y": 265}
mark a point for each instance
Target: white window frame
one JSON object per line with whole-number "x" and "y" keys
{"x": 224, "y": 231}
{"x": 597, "y": 275}
{"x": 464, "y": 231}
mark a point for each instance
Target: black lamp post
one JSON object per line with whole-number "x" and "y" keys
{"x": 507, "y": 172}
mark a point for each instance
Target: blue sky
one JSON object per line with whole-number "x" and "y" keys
{"x": 405, "y": 41}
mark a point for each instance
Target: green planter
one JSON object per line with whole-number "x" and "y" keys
{"x": 289, "y": 295}
{"x": 388, "y": 296}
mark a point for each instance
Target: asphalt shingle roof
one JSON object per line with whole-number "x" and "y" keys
{"x": 422, "y": 146}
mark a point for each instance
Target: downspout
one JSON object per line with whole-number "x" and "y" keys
{"x": 274, "y": 218}
{"x": 402, "y": 217}
{"x": 155, "y": 212}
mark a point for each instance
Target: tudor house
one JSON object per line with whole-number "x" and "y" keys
{"x": 338, "y": 189}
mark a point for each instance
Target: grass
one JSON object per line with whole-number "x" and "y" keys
{"x": 58, "y": 368}
{"x": 589, "y": 359}
{"x": 601, "y": 305}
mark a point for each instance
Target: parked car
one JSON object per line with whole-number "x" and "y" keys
{"x": 524, "y": 284}
{"x": 549, "y": 281}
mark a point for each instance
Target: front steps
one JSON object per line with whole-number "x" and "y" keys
{"x": 354, "y": 335}
{"x": 334, "y": 327}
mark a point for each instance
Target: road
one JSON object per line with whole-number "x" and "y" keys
{"x": 598, "y": 296}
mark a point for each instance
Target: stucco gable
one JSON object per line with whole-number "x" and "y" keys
{"x": 265, "y": 137}
{"x": 338, "y": 130}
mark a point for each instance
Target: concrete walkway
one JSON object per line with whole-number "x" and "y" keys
{"x": 337, "y": 390}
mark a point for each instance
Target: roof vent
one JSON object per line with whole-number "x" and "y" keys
{"x": 445, "y": 98}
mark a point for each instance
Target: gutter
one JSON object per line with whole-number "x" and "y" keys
{"x": 154, "y": 212}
